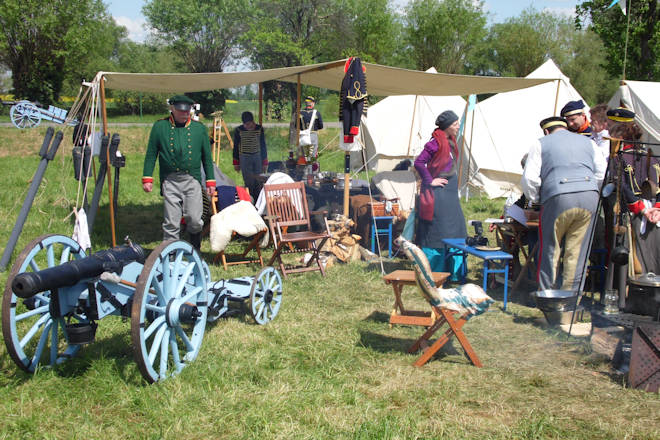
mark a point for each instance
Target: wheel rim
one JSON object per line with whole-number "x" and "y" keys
{"x": 24, "y": 114}
{"x": 170, "y": 289}
{"x": 266, "y": 295}
{"x": 32, "y": 335}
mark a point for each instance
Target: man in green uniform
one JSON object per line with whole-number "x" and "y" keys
{"x": 181, "y": 146}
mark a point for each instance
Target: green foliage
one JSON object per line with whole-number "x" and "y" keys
{"x": 43, "y": 42}
{"x": 203, "y": 34}
{"x": 444, "y": 34}
{"x": 643, "y": 37}
{"x": 135, "y": 103}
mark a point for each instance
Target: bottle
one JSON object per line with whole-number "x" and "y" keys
{"x": 611, "y": 302}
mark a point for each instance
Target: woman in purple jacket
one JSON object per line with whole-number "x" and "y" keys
{"x": 439, "y": 210}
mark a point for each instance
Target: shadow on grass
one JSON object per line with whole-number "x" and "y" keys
{"x": 389, "y": 344}
{"x": 377, "y": 316}
{"x": 142, "y": 223}
{"x": 389, "y": 265}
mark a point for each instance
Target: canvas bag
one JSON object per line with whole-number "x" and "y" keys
{"x": 305, "y": 137}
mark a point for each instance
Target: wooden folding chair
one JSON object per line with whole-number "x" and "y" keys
{"x": 239, "y": 258}
{"x": 439, "y": 316}
{"x": 286, "y": 206}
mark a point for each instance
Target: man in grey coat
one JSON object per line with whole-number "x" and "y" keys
{"x": 563, "y": 173}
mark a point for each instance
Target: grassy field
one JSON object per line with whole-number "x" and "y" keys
{"x": 328, "y": 367}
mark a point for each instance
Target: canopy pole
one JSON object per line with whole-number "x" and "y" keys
{"x": 412, "y": 125}
{"x": 104, "y": 116}
{"x": 261, "y": 103}
{"x": 625, "y": 50}
{"x": 467, "y": 191}
{"x": 557, "y": 97}
{"x": 298, "y": 89}
{"x": 460, "y": 160}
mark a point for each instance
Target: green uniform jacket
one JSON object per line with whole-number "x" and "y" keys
{"x": 179, "y": 149}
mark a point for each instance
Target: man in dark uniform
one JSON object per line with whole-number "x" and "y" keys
{"x": 181, "y": 146}
{"x": 563, "y": 173}
{"x": 250, "y": 153}
{"x": 576, "y": 118}
{"x": 306, "y": 116}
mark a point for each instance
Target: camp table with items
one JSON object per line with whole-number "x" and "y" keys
{"x": 494, "y": 261}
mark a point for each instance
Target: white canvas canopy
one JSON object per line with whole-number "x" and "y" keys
{"x": 642, "y": 97}
{"x": 397, "y": 128}
{"x": 382, "y": 80}
{"x": 506, "y": 125}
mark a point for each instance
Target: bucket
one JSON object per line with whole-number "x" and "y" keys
{"x": 81, "y": 332}
{"x": 558, "y": 306}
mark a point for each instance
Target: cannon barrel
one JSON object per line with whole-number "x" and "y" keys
{"x": 28, "y": 284}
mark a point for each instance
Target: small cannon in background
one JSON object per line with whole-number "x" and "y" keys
{"x": 26, "y": 114}
{"x": 55, "y": 294}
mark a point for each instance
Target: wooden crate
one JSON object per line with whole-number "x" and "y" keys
{"x": 379, "y": 209}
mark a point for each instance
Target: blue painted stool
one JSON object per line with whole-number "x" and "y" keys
{"x": 382, "y": 225}
{"x": 496, "y": 257}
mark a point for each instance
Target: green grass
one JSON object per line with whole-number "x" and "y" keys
{"x": 328, "y": 367}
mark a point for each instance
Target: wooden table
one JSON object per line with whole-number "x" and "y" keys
{"x": 400, "y": 315}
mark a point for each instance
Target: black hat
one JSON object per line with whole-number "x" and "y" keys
{"x": 553, "y": 121}
{"x": 310, "y": 99}
{"x": 445, "y": 119}
{"x": 181, "y": 102}
{"x": 247, "y": 117}
{"x": 621, "y": 115}
{"x": 573, "y": 108}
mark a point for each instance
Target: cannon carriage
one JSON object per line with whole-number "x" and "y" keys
{"x": 56, "y": 294}
{"x": 26, "y": 114}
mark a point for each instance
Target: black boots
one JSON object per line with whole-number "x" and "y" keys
{"x": 196, "y": 240}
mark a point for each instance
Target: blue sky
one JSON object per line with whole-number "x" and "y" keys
{"x": 129, "y": 12}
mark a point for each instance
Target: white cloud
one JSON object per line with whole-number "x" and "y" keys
{"x": 137, "y": 29}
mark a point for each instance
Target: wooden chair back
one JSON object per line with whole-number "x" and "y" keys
{"x": 287, "y": 203}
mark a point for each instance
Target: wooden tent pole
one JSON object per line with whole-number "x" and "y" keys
{"x": 470, "y": 152}
{"x": 460, "y": 159}
{"x": 557, "y": 97}
{"x": 412, "y": 125}
{"x": 261, "y": 103}
{"x": 298, "y": 89}
{"x": 104, "y": 116}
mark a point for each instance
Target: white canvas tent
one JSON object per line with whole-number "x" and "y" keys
{"x": 506, "y": 125}
{"x": 642, "y": 97}
{"x": 397, "y": 128}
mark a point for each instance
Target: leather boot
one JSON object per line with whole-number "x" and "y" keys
{"x": 196, "y": 240}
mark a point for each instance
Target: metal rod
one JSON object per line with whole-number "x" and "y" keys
{"x": 47, "y": 155}
{"x": 107, "y": 159}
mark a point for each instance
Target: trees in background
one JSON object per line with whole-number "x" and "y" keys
{"x": 203, "y": 34}
{"x": 643, "y": 37}
{"x": 520, "y": 44}
{"x": 43, "y": 43}
{"x": 51, "y": 46}
{"x": 444, "y": 34}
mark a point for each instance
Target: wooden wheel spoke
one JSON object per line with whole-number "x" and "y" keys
{"x": 154, "y": 326}
{"x": 29, "y": 313}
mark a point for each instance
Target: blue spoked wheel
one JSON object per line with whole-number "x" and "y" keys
{"x": 168, "y": 316}
{"x": 34, "y": 336}
{"x": 24, "y": 114}
{"x": 266, "y": 295}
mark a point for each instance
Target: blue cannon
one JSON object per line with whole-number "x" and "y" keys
{"x": 55, "y": 295}
{"x": 26, "y": 114}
